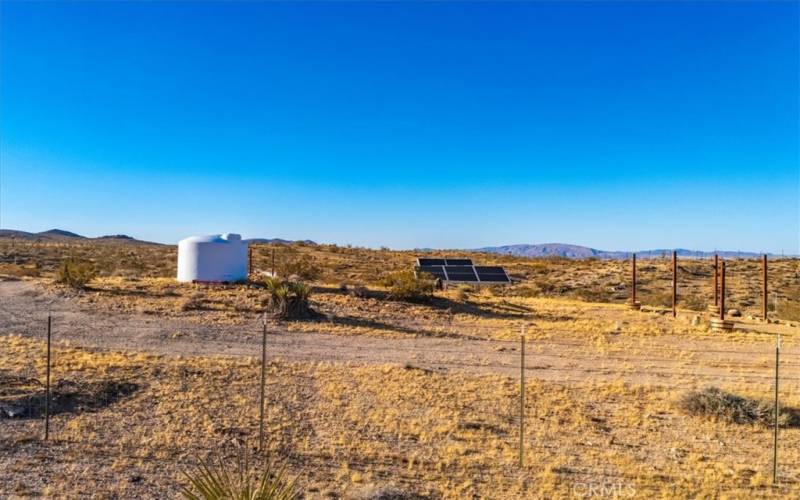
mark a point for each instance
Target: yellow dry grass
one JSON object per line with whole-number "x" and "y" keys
{"x": 340, "y": 427}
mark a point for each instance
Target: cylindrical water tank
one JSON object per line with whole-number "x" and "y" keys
{"x": 214, "y": 258}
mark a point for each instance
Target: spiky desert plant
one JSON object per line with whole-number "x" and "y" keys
{"x": 217, "y": 479}
{"x": 287, "y": 299}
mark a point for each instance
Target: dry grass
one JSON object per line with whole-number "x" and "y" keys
{"x": 351, "y": 429}
{"x": 340, "y": 428}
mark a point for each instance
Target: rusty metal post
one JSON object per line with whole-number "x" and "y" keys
{"x": 674, "y": 283}
{"x": 47, "y": 385}
{"x": 273, "y": 262}
{"x": 716, "y": 279}
{"x": 764, "y": 312}
{"x": 249, "y": 260}
{"x": 722, "y": 292}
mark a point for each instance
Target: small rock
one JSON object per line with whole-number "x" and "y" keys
{"x": 12, "y": 411}
{"x": 734, "y": 313}
{"x": 696, "y": 320}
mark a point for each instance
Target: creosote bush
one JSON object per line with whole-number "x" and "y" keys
{"x": 410, "y": 286}
{"x": 727, "y": 407}
{"x": 287, "y": 299}
{"x": 75, "y": 273}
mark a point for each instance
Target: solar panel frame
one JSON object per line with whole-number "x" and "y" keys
{"x": 492, "y": 274}
{"x": 429, "y": 261}
{"x": 461, "y": 273}
{"x": 458, "y": 262}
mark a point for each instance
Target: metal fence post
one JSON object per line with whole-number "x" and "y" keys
{"x": 47, "y": 384}
{"x": 263, "y": 381}
{"x": 777, "y": 407}
{"x": 674, "y": 283}
{"x": 522, "y": 399}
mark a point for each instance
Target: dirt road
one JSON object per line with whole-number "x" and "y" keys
{"x": 663, "y": 359}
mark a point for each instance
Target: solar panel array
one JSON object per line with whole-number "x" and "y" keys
{"x": 461, "y": 270}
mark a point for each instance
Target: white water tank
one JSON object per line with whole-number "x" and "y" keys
{"x": 214, "y": 258}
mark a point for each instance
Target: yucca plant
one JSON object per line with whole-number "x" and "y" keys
{"x": 221, "y": 480}
{"x": 288, "y": 299}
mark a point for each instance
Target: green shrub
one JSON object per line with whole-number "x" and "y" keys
{"x": 221, "y": 480}
{"x": 287, "y": 299}
{"x": 410, "y": 286}
{"x": 75, "y": 273}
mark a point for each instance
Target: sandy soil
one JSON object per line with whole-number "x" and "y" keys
{"x": 665, "y": 358}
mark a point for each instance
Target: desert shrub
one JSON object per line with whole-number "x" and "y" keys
{"x": 192, "y": 302}
{"x": 595, "y": 294}
{"x": 410, "y": 286}
{"x": 381, "y": 492}
{"x": 218, "y": 479}
{"x": 303, "y": 267}
{"x": 75, "y": 273}
{"x": 727, "y": 407}
{"x": 692, "y": 302}
{"x": 524, "y": 291}
{"x": 462, "y": 292}
{"x": 287, "y": 299}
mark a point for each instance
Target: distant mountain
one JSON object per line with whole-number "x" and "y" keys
{"x": 581, "y": 252}
{"x": 62, "y": 235}
{"x": 278, "y": 241}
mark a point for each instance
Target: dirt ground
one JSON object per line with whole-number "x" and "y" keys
{"x": 561, "y": 355}
{"x": 374, "y": 393}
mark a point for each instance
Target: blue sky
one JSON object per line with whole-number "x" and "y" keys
{"x": 613, "y": 125}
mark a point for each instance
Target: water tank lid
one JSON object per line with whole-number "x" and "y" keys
{"x": 212, "y": 238}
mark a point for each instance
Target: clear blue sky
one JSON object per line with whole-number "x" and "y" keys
{"x": 613, "y": 125}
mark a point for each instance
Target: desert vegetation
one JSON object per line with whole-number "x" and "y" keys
{"x": 414, "y": 392}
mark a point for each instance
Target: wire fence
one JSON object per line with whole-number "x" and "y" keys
{"x": 585, "y": 358}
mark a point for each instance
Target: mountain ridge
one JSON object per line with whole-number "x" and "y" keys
{"x": 570, "y": 251}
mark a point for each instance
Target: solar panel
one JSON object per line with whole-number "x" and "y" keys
{"x": 461, "y": 273}
{"x": 459, "y": 262}
{"x": 423, "y": 261}
{"x": 461, "y": 270}
{"x": 436, "y": 271}
{"x": 494, "y": 274}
